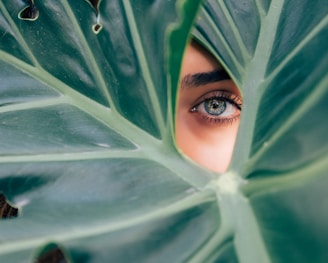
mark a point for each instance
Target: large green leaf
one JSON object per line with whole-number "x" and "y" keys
{"x": 87, "y": 150}
{"x": 276, "y": 50}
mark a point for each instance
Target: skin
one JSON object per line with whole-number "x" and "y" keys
{"x": 206, "y": 138}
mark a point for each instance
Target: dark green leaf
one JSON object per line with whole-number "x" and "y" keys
{"x": 277, "y": 53}
{"x": 87, "y": 152}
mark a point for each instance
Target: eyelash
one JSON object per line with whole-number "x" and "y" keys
{"x": 220, "y": 96}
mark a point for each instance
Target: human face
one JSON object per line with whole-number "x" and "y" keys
{"x": 208, "y": 110}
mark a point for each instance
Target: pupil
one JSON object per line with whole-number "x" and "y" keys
{"x": 215, "y": 107}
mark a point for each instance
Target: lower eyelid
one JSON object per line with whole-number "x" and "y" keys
{"x": 219, "y": 121}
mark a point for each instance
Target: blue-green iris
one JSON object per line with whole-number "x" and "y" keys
{"x": 214, "y": 106}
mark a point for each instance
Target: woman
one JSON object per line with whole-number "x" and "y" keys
{"x": 208, "y": 110}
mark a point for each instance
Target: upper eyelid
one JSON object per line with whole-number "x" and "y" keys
{"x": 229, "y": 101}
{"x": 230, "y": 96}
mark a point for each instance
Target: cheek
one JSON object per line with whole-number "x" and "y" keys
{"x": 210, "y": 146}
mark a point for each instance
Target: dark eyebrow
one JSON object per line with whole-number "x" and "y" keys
{"x": 203, "y": 78}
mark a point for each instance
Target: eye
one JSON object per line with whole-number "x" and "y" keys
{"x": 218, "y": 107}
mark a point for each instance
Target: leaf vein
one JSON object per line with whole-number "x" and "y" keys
{"x": 144, "y": 65}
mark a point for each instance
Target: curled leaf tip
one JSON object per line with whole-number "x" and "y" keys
{"x": 51, "y": 253}
{"x": 94, "y": 4}
{"x": 6, "y": 210}
{"x": 29, "y": 13}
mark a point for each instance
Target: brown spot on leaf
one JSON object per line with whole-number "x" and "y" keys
{"x": 96, "y": 28}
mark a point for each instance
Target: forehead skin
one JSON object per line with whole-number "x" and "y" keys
{"x": 195, "y": 57}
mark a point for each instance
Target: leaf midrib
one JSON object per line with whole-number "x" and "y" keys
{"x": 253, "y": 77}
{"x": 152, "y": 148}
